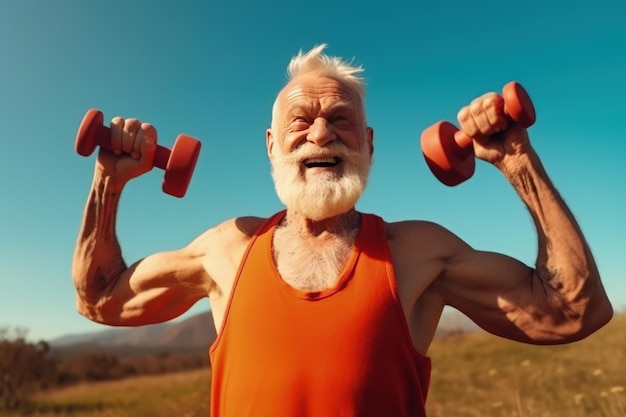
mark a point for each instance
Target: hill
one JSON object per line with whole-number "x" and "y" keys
{"x": 193, "y": 333}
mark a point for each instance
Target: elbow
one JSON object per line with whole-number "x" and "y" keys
{"x": 586, "y": 303}
{"x": 587, "y": 318}
{"x": 573, "y": 315}
{"x": 87, "y": 302}
{"x": 595, "y": 309}
{"x": 102, "y": 311}
{"x": 95, "y": 295}
{"x": 89, "y": 310}
{"x": 598, "y": 314}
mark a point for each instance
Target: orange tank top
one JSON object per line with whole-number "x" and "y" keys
{"x": 345, "y": 351}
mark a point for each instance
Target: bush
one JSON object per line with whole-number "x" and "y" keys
{"x": 24, "y": 367}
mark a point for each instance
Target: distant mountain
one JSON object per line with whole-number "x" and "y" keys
{"x": 196, "y": 331}
{"x": 199, "y": 331}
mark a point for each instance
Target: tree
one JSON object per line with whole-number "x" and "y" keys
{"x": 24, "y": 367}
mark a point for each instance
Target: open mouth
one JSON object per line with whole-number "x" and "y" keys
{"x": 322, "y": 162}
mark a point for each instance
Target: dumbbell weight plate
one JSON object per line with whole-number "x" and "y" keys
{"x": 180, "y": 165}
{"x": 87, "y": 136}
{"x": 449, "y": 162}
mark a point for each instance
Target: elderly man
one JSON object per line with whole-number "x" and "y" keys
{"x": 323, "y": 310}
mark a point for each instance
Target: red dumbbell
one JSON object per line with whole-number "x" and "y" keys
{"x": 178, "y": 163}
{"x": 449, "y": 152}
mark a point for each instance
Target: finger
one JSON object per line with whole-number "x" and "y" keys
{"x": 131, "y": 130}
{"x": 484, "y": 110}
{"x": 117, "y": 131}
{"x": 493, "y": 106}
{"x": 467, "y": 122}
{"x": 481, "y": 120}
{"x": 143, "y": 133}
{"x": 146, "y": 143}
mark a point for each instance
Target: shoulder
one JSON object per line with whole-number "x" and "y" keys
{"x": 419, "y": 240}
{"x": 229, "y": 233}
{"x": 418, "y": 231}
{"x": 220, "y": 250}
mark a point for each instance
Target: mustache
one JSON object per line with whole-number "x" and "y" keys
{"x": 333, "y": 149}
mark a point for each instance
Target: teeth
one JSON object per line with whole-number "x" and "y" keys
{"x": 321, "y": 161}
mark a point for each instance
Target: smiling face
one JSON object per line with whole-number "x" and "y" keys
{"x": 320, "y": 146}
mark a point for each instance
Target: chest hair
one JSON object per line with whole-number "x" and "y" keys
{"x": 311, "y": 264}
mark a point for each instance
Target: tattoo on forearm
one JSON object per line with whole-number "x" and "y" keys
{"x": 101, "y": 280}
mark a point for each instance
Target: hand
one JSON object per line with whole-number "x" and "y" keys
{"x": 133, "y": 146}
{"x": 495, "y": 136}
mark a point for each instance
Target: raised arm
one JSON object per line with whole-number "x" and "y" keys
{"x": 155, "y": 289}
{"x": 562, "y": 299}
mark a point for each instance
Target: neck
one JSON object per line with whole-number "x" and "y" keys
{"x": 342, "y": 224}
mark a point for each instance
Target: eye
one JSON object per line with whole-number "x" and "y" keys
{"x": 300, "y": 122}
{"x": 340, "y": 121}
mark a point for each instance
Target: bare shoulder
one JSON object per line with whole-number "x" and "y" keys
{"x": 420, "y": 236}
{"x": 230, "y": 232}
{"x": 222, "y": 247}
{"x": 419, "y": 251}
{"x": 422, "y": 250}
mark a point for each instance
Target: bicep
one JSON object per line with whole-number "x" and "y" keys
{"x": 157, "y": 288}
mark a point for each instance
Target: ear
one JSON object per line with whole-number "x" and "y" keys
{"x": 369, "y": 132}
{"x": 269, "y": 142}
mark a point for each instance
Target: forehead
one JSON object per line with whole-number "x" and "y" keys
{"x": 316, "y": 90}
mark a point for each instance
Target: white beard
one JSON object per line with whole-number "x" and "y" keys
{"x": 327, "y": 194}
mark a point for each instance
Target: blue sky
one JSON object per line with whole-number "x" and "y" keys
{"x": 211, "y": 70}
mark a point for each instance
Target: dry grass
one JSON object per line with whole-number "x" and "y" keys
{"x": 473, "y": 375}
{"x": 480, "y": 375}
{"x": 181, "y": 395}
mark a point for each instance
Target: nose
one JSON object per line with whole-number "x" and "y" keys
{"x": 321, "y": 132}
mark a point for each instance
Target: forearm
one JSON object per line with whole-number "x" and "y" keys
{"x": 98, "y": 260}
{"x": 565, "y": 269}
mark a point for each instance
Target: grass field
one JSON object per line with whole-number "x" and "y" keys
{"x": 480, "y": 375}
{"x": 176, "y": 395}
{"x": 473, "y": 375}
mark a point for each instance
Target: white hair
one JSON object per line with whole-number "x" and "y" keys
{"x": 316, "y": 61}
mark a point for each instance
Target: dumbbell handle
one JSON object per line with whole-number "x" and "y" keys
{"x": 518, "y": 108}
{"x": 103, "y": 139}
{"x": 93, "y": 133}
